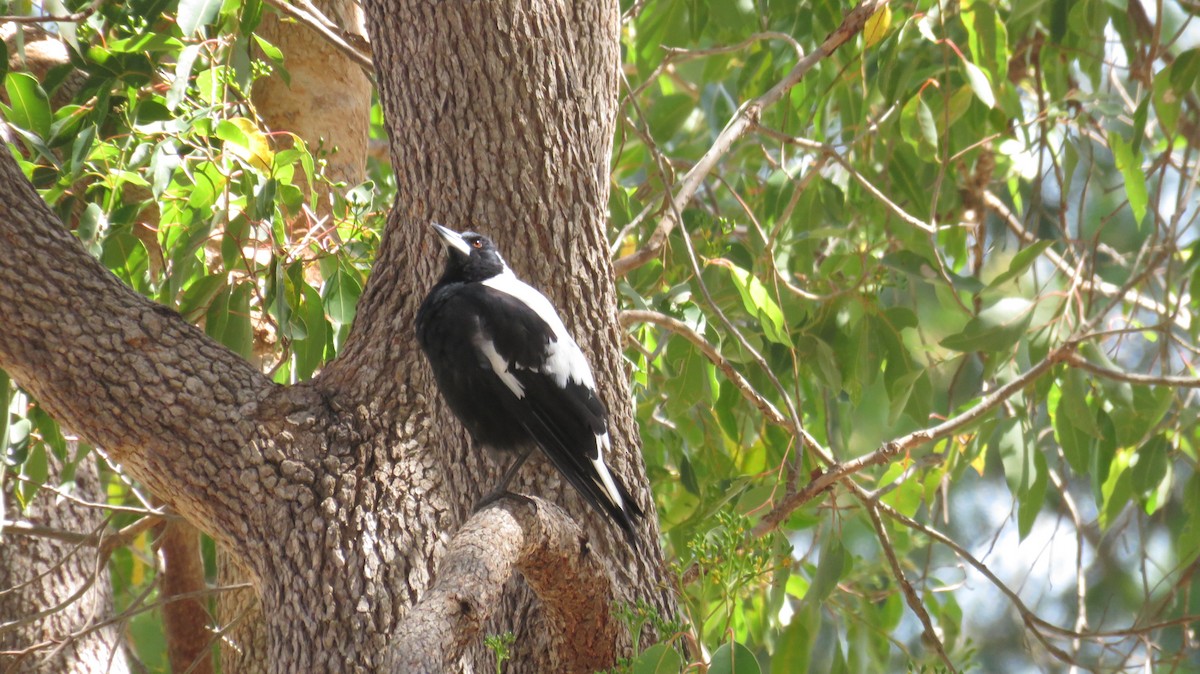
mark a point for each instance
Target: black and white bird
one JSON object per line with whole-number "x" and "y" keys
{"x": 512, "y": 374}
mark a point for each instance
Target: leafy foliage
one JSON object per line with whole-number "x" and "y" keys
{"x": 913, "y": 365}
{"x": 159, "y": 165}
{"x": 963, "y": 197}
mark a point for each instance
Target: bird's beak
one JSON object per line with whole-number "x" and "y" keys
{"x": 452, "y": 239}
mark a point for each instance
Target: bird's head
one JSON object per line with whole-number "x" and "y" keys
{"x": 470, "y": 256}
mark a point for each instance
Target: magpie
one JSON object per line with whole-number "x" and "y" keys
{"x": 509, "y": 370}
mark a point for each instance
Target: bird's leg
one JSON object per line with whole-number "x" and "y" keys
{"x": 502, "y": 488}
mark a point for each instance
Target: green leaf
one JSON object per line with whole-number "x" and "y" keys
{"x": 987, "y": 37}
{"x": 661, "y": 658}
{"x": 918, "y": 128}
{"x": 91, "y": 221}
{"x": 758, "y": 302}
{"x": 668, "y": 114}
{"x": 793, "y": 651}
{"x": 199, "y": 296}
{"x": 239, "y": 335}
{"x": 733, "y": 658}
{"x": 1188, "y": 544}
{"x": 36, "y": 467}
{"x": 1186, "y": 70}
{"x": 1150, "y": 465}
{"x": 1137, "y": 419}
{"x": 341, "y": 294}
{"x": 996, "y": 328}
{"x": 1065, "y": 399}
{"x": 1029, "y": 504}
{"x": 834, "y": 564}
{"x": 183, "y": 75}
{"x": 310, "y": 351}
{"x": 1016, "y": 453}
{"x": 979, "y": 84}
{"x": 1117, "y": 488}
{"x": 907, "y": 495}
{"x": 193, "y": 14}
{"x": 1020, "y": 262}
{"x": 269, "y": 50}
{"x": 1131, "y": 170}
{"x": 1167, "y": 103}
{"x": 30, "y": 107}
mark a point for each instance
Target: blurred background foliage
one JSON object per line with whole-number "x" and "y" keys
{"x": 948, "y": 264}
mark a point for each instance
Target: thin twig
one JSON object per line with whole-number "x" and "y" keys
{"x": 911, "y": 441}
{"x": 73, "y": 17}
{"x": 360, "y": 52}
{"x": 747, "y": 115}
{"x": 910, "y": 594}
{"x": 1182, "y": 319}
{"x": 1086, "y": 365}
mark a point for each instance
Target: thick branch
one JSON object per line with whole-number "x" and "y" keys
{"x": 165, "y": 400}
{"x": 547, "y": 547}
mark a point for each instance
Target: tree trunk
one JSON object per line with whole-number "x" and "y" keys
{"x": 326, "y": 99}
{"x": 39, "y": 573}
{"x": 341, "y": 495}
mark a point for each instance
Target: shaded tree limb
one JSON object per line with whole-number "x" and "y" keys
{"x": 516, "y": 534}
{"x": 186, "y": 621}
{"x": 910, "y": 593}
{"x": 355, "y": 47}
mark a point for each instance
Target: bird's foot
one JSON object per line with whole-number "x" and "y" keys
{"x": 497, "y": 494}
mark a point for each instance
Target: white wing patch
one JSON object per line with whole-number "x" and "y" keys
{"x": 606, "y": 479}
{"x": 499, "y": 365}
{"x": 564, "y": 359}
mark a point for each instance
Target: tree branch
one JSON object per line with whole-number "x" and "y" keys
{"x": 341, "y": 39}
{"x": 746, "y": 116}
{"x": 51, "y": 18}
{"x": 1076, "y": 360}
{"x": 517, "y": 533}
{"x": 130, "y": 375}
{"x": 1182, "y": 319}
{"x": 910, "y": 441}
{"x": 910, "y": 593}
{"x": 186, "y": 621}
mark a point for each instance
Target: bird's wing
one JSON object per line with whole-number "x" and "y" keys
{"x": 554, "y": 396}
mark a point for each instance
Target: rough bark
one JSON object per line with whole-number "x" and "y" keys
{"x": 326, "y": 102}
{"x": 340, "y": 495}
{"x": 37, "y": 574}
{"x": 501, "y": 118}
{"x": 541, "y": 542}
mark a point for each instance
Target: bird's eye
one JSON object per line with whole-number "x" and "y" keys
{"x": 478, "y": 243}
